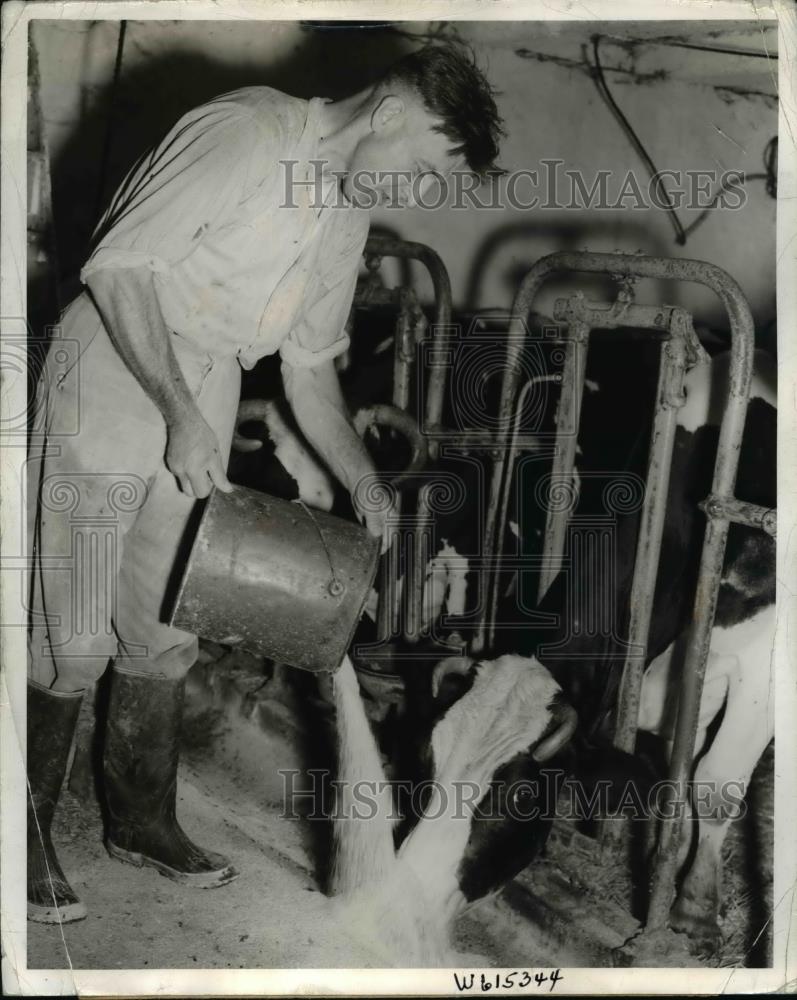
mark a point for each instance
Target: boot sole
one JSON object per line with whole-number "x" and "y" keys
{"x": 67, "y": 914}
{"x": 197, "y": 880}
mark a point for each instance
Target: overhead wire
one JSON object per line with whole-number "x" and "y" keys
{"x": 677, "y": 43}
{"x": 768, "y": 174}
{"x": 681, "y": 233}
{"x": 636, "y": 142}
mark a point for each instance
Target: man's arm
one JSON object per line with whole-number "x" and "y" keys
{"x": 320, "y": 410}
{"x": 129, "y": 308}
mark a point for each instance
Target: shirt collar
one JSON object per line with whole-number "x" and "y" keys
{"x": 312, "y": 133}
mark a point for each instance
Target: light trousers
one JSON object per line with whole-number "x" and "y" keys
{"x": 108, "y": 527}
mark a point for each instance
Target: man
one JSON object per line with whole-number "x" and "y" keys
{"x": 215, "y": 251}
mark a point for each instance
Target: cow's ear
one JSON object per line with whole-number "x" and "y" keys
{"x": 451, "y": 666}
{"x": 451, "y": 679}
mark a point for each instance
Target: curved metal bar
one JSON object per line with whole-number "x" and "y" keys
{"x": 386, "y": 246}
{"x": 385, "y": 415}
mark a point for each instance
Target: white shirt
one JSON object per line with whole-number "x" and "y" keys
{"x": 244, "y": 262}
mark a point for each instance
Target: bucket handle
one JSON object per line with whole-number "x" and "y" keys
{"x": 336, "y": 586}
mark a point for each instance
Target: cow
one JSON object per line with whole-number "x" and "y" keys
{"x": 484, "y": 763}
{"x": 739, "y": 673}
{"x": 408, "y": 897}
{"x": 738, "y": 680}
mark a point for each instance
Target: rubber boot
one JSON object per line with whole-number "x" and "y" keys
{"x": 140, "y": 765}
{"x": 52, "y": 716}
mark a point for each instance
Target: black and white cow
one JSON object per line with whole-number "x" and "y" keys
{"x": 470, "y": 804}
{"x": 404, "y": 889}
{"x": 738, "y": 685}
{"x": 739, "y": 674}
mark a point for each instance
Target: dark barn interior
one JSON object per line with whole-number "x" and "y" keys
{"x": 502, "y": 483}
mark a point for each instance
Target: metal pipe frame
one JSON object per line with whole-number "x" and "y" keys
{"x": 388, "y": 246}
{"x": 385, "y": 415}
{"x": 416, "y": 573}
{"x": 388, "y": 609}
{"x": 410, "y": 327}
{"x": 625, "y": 266}
{"x": 680, "y": 345}
{"x": 541, "y": 450}
{"x": 568, "y": 414}
{"x": 403, "y": 349}
{"x": 740, "y": 512}
{"x": 669, "y": 398}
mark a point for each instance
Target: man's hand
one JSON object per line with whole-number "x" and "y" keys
{"x": 192, "y": 454}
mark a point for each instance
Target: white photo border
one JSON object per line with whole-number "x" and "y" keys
{"x": 16, "y": 978}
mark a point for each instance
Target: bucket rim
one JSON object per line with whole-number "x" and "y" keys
{"x": 370, "y": 577}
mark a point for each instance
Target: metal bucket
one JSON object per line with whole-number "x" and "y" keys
{"x": 277, "y": 579}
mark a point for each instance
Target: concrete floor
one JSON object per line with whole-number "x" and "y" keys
{"x": 239, "y": 732}
{"x": 274, "y": 915}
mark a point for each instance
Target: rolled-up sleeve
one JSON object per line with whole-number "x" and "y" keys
{"x": 182, "y": 189}
{"x": 319, "y": 335}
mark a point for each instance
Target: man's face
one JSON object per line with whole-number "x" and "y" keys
{"x": 388, "y": 165}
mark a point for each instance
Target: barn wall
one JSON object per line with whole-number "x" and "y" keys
{"x": 693, "y": 110}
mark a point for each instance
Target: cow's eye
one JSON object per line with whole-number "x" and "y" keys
{"x": 523, "y": 795}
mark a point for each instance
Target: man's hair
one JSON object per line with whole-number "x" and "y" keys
{"x": 455, "y": 90}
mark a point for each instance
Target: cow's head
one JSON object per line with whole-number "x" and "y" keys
{"x": 489, "y": 714}
{"x": 526, "y": 728}
{"x": 495, "y": 709}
